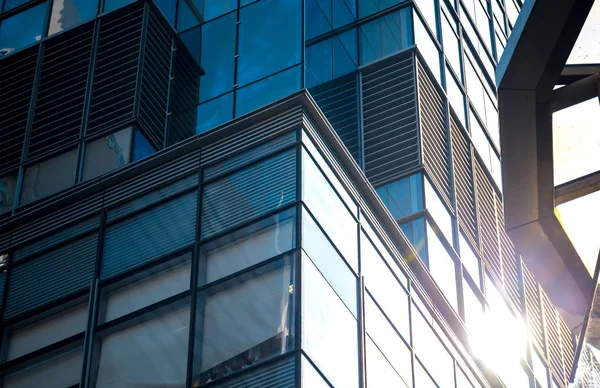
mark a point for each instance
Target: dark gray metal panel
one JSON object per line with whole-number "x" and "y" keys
{"x": 338, "y": 100}
{"x": 61, "y": 93}
{"x": 150, "y": 234}
{"x": 52, "y": 276}
{"x": 259, "y": 133}
{"x": 17, "y": 73}
{"x": 281, "y": 374}
{"x": 245, "y": 194}
{"x": 391, "y": 140}
{"x": 432, "y": 121}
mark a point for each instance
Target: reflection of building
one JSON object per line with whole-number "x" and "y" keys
{"x": 237, "y": 231}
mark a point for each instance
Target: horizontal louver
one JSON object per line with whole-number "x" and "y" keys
{"x": 510, "y": 263}
{"x": 463, "y": 181}
{"x": 488, "y": 227}
{"x": 248, "y": 193}
{"x": 61, "y": 95}
{"x": 338, "y": 99}
{"x": 17, "y": 73}
{"x": 533, "y": 308}
{"x": 52, "y": 276}
{"x": 555, "y": 356}
{"x": 436, "y": 148}
{"x": 116, "y": 72}
{"x": 391, "y": 141}
{"x": 152, "y": 115}
{"x": 150, "y": 234}
{"x": 281, "y": 374}
{"x": 567, "y": 346}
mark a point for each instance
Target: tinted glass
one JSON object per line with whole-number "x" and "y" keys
{"x": 141, "y": 147}
{"x": 368, "y": 7}
{"x": 218, "y": 51}
{"x": 110, "y": 5}
{"x": 106, "y": 154}
{"x": 22, "y": 29}
{"x": 442, "y": 267}
{"x": 270, "y": 35}
{"x": 168, "y": 8}
{"x": 379, "y": 371}
{"x": 214, "y": 113}
{"x": 310, "y": 377}
{"x": 49, "y": 177}
{"x": 8, "y": 185}
{"x": 70, "y": 13}
{"x": 403, "y": 197}
{"x": 415, "y": 232}
{"x": 427, "y": 47}
{"x": 385, "y": 36}
{"x": 63, "y": 370}
{"x": 438, "y": 211}
{"x": 214, "y": 8}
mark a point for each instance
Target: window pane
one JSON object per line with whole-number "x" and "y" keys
{"x": 319, "y": 62}
{"x": 247, "y": 247}
{"x": 8, "y": 186}
{"x": 60, "y": 371}
{"x": 438, "y": 211}
{"x": 456, "y": 98}
{"x": 403, "y": 197}
{"x": 427, "y": 48}
{"x": 141, "y": 147}
{"x": 168, "y": 9}
{"x": 329, "y": 211}
{"x": 318, "y": 17}
{"x": 268, "y": 90}
{"x": 442, "y": 267}
{"x": 379, "y": 371}
{"x": 385, "y": 36}
{"x": 70, "y": 13}
{"x": 539, "y": 369}
{"x": 329, "y": 262}
{"x": 310, "y": 377}
{"x": 214, "y": 8}
{"x": 428, "y": 9}
{"x": 106, "y": 154}
{"x": 368, "y": 7}
{"x": 46, "y": 331}
{"x": 451, "y": 48}
{"x": 415, "y": 232}
{"x": 270, "y": 35}
{"x": 329, "y": 331}
{"x": 22, "y": 29}
{"x": 473, "y": 308}
{"x": 49, "y": 177}
{"x": 244, "y": 321}
{"x": 218, "y": 51}
{"x": 470, "y": 261}
{"x": 186, "y": 19}
{"x": 146, "y": 288}
{"x": 422, "y": 379}
{"x": 151, "y": 353}
{"x": 214, "y": 113}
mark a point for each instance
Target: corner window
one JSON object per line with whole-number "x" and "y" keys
{"x": 107, "y": 153}
{"x": 141, "y": 147}
{"x": 385, "y": 36}
{"x": 70, "y": 13}
{"x": 22, "y": 29}
{"x": 403, "y": 197}
{"x": 218, "y": 52}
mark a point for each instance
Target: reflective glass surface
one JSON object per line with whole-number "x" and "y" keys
{"x": 110, "y": 5}
{"x": 438, "y": 211}
{"x": 63, "y": 370}
{"x": 415, "y": 232}
{"x": 310, "y": 377}
{"x": 385, "y": 35}
{"x": 70, "y": 13}
{"x": 442, "y": 267}
{"x": 212, "y": 8}
{"x": 22, "y": 29}
{"x": 586, "y": 48}
{"x": 403, "y": 197}
{"x": 368, "y": 7}
{"x": 141, "y": 147}
{"x": 427, "y": 47}
{"x": 217, "y": 59}
{"x": 379, "y": 371}
{"x": 8, "y": 186}
{"x": 468, "y": 258}
{"x": 214, "y": 113}
{"x": 107, "y": 153}
{"x": 456, "y": 98}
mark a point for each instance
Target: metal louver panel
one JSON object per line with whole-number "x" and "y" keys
{"x": 488, "y": 227}
{"x": 281, "y": 374}
{"x": 237, "y": 142}
{"x": 17, "y": 73}
{"x": 510, "y": 263}
{"x": 391, "y": 139}
{"x": 62, "y": 88}
{"x": 152, "y": 115}
{"x": 52, "y": 276}
{"x": 248, "y": 193}
{"x": 153, "y": 233}
{"x": 567, "y": 347}
{"x": 338, "y": 99}
{"x": 2, "y": 284}
{"x": 115, "y": 78}
{"x": 552, "y": 335}
{"x": 436, "y": 148}
{"x": 533, "y": 308}
{"x": 463, "y": 181}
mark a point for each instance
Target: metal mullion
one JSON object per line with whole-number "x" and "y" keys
{"x": 362, "y": 333}
{"x": 236, "y": 58}
{"x": 297, "y": 265}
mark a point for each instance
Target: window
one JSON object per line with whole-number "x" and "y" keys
{"x": 107, "y": 153}
{"x": 150, "y": 353}
{"x": 451, "y": 47}
{"x": 186, "y": 18}
{"x": 247, "y": 247}
{"x": 111, "y": 5}
{"x": 323, "y": 16}
{"x": 144, "y": 289}
{"x": 469, "y": 260}
{"x": 403, "y": 197}
{"x": 218, "y": 52}
{"x": 63, "y": 370}
{"x": 427, "y": 47}
{"x": 442, "y": 267}
{"x": 385, "y": 36}
{"x": 270, "y": 40}
{"x": 329, "y": 211}
{"x": 379, "y": 371}
{"x": 456, "y": 98}
{"x": 168, "y": 9}
{"x": 22, "y": 29}
{"x": 8, "y": 186}
{"x": 331, "y": 58}
{"x": 214, "y": 113}
{"x": 368, "y": 7}
{"x": 141, "y": 147}
{"x": 70, "y": 13}
{"x": 244, "y": 321}
{"x": 213, "y": 8}
{"x": 539, "y": 369}
{"x": 429, "y": 10}
{"x": 415, "y": 232}
{"x": 329, "y": 331}
{"x": 310, "y": 377}
{"x": 49, "y": 177}
{"x": 438, "y": 211}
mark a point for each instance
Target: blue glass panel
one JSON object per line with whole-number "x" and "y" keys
{"x": 442, "y": 267}
{"x": 168, "y": 8}
{"x": 10, "y": 4}
{"x": 415, "y": 232}
{"x": 344, "y": 12}
{"x": 218, "y": 51}
{"x": 214, "y": 8}
{"x": 141, "y": 147}
{"x": 22, "y": 29}
{"x": 318, "y": 62}
{"x": 345, "y": 53}
{"x": 110, "y": 5}
{"x": 368, "y": 7}
{"x": 318, "y": 18}
{"x": 270, "y": 34}
{"x": 214, "y": 112}
{"x": 427, "y": 48}
{"x": 67, "y": 14}
{"x": 268, "y": 90}
{"x": 192, "y": 41}
{"x": 403, "y": 197}
{"x": 246, "y": 2}
{"x": 8, "y": 184}
{"x": 185, "y": 17}
{"x": 385, "y": 36}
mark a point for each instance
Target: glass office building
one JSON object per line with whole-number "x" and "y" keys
{"x": 271, "y": 193}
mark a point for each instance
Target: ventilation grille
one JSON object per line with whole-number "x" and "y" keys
{"x": 248, "y": 193}
{"x": 52, "y": 276}
{"x": 533, "y": 308}
{"x": 510, "y": 263}
{"x": 148, "y": 235}
{"x": 61, "y": 96}
{"x": 281, "y": 374}
{"x": 184, "y": 96}
{"x": 338, "y": 99}
{"x": 17, "y": 73}
{"x": 155, "y": 82}
{"x": 391, "y": 140}
{"x": 114, "y": 87}
{"x": 568, "y": 348}
{"x": 463, "y": 179}
{"x": 436, "y": 150}
{"x": 552, "y": 335}
{"x": 486, "y": 211}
